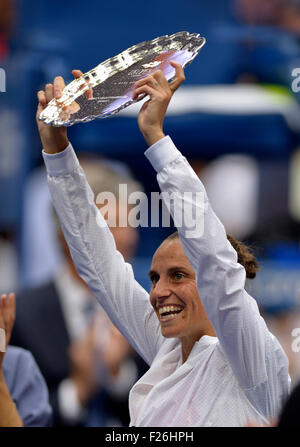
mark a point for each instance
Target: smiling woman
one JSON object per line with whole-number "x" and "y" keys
{"x": 174, "y": 296}
{"x": 212, "y": 360}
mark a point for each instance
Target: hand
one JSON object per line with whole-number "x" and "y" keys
{"x": 7, "y": 318}
{"x": 152, "y": 113}
{"x": 55, "y": 139}
{"x": 117, "y": 350}
{"x": 83, "y": 371}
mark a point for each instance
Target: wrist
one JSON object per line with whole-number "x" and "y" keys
{"x": 55, "y": 144}
{"x": 83, "y": 390}
{"x": 55, "y": 148}
{"x": 152, "y": 136}
{"x": 70, "y": 408}
{"x": 80, "y": 392}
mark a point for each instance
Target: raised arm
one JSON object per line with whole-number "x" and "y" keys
{"x": 90, "y": 241}
{"x": 252, "y": 351}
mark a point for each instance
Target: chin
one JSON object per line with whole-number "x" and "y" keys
{"x": 169, "y": 333}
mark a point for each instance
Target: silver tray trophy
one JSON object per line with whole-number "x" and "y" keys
{"x": 108, "y": 88}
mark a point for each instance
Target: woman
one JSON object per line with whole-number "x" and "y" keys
{"x": 212, "y": 359}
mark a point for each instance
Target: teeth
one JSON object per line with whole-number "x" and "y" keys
{"x": 165, "y": 309}
{"x": 167, "y": 317}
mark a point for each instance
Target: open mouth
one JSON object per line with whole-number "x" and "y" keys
{"x": 168, "y": 312}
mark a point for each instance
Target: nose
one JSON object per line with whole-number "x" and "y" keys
{"x": 162, "y": 289}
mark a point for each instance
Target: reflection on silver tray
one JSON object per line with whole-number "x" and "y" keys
{"x": 107, "y": 89}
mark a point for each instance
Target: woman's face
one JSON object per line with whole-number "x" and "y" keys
{"x": 174, "y": 294}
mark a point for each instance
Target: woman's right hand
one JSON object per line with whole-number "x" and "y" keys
{"x": 54, "y": 139}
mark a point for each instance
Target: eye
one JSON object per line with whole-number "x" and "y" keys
{"x": 178, "y": 276}
{"x": 154, "y": 278}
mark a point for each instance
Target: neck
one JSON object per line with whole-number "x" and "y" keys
{"x": 186, "y": 347}
{"x": 187, "y": 343}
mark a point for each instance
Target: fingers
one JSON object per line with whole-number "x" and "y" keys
{"x": 157, "y": 81}
{"x": 8, "y": 310}
{"x": 150, "y": 80}
{"x": 49, "y": 92}
{"x": 2, "y": 304}
{"x": 150, "y": 85}
{"x": 12, "y": 306}
{"x": 145, "y": 90}
{"x": 5, "y": 304}
{"x": 179, "y": 76}
{"x": 77, "y": 74}
{"x": 42, "y": 98}
{"x": 8, "y": 304}
{"x": 159, "y": 77}
{"x": 58, "y": 86}
{"x": 55, "y": 90}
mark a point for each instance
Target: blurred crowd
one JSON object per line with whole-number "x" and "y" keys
{"x": 251, "y": 175}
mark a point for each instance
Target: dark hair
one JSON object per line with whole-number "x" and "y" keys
{"x": 245, "y": 255}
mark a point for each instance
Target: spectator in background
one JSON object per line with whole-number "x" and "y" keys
{"x": 231, "y": 182}
{"x": 6, "y": 25}
{"x": 89, "y": 373}
{"x": 269, "y": 42}
{"x": 41, "y": 254}
{"x": 281, "y": 322}
{"x": 284, "y": 14}
{"x": 23, "y": 392}
{"x": 8, "y": 269}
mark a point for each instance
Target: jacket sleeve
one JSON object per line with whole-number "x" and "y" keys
{"x": 97, "y": 260}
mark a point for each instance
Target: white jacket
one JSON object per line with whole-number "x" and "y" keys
{"x": 239, "y": 376}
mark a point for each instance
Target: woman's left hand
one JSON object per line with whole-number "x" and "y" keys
{"x": 152, "y": 113}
